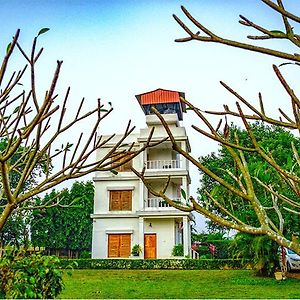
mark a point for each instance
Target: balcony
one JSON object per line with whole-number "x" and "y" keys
{"x": 162, "y": 164}
{"x": 159, "y": 203}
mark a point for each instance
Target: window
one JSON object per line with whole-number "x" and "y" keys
{"x": 119, "y": 158}
{"x": 120, "y": 200}
{"x": 119, "y": 245}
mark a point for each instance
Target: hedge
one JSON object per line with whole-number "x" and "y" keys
{"x": 172, "y": 264}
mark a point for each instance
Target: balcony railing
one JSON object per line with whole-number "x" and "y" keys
{"x": 158, "y": 203}
{"x": 163, "y": 164}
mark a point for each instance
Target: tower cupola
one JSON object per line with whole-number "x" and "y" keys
{"x": 165, "y": 101}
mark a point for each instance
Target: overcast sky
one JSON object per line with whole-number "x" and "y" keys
{"x": 117, "y": 49}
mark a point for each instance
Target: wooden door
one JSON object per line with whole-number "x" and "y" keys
{"x": 150, "y": 245}
{"x": 119, "y": 245}
{"x": 113, "y": 245}
{"x": 125, "y": 245}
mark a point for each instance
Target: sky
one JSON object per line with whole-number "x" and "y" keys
{"x": 114, "y": 50}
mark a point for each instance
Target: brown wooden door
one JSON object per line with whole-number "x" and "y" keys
{"x": 125, "y": 245}
{"x": 119, "y": 245}
{"x": 113, "y": 245}
{"x": 150, "y": 245}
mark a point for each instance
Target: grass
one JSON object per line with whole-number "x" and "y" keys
{"x": 172, "y": 284}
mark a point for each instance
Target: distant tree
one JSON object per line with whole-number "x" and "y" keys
{"x": 273, "y": 139}
{"x": 70, "y": 228}
{"x": 16, "y": 228}
{"x": 243, "y": 182}
{"x": 36, "y": 128}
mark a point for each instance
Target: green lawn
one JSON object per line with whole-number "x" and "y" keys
{"x": 176, "y": 284}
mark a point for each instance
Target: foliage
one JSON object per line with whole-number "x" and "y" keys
{"x": 85, "y": 254}
{"x": 207, "y": 237}
{"x": 260, "y": 250}
{"x": 218, "y": 240}
{"x": 136, "y": 250}
{"x": 172, "y": 264}
{"x": 277, "y": 141}
{"x": 283, "y": 192}
{"x": 181, "y": 284}
{"x": 70, "y": 227}
{"x": 177, "y": 250}
{"x": 29, "y": 277}
{"x": 15, "y": 230}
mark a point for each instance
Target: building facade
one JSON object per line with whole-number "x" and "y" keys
{"x": 125, "y": 213}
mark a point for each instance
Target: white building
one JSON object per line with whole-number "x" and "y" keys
{"x": 125, "y": 213}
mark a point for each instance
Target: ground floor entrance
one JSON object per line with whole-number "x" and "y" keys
{"x": 119, "y": 245}
{"x": 150, "y": 245}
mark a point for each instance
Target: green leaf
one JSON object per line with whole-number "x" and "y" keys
{"x": 183, "y": 193}
{"x": 32, "y": 280}
{"x": 29, "y": 292}
{"x": 16, "y": 109}
{"x": 114, "y": 172}
{"x": 277, "y": 32}
{"x": 103, "y": 109}
{"x": 8, "y": 48}
{"x": 43, "y": 30}
{"x": 289, "y": 163}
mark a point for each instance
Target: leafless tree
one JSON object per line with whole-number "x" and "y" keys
{"x": 32, "y": 125}
{"x": 244, "y": 180}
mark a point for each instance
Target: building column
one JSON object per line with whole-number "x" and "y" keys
{"x": 186, "y": 237}
{"x": 142, "y": 195}
{"x": 141, "y": 235}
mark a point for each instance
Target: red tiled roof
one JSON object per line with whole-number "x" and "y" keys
{"x": 159, "y": 96}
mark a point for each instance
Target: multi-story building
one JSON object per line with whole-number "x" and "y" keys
{"x": 125, "y": 213}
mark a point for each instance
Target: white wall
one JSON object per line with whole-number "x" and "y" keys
{"x": 101, "y": 229}
{"x": 102, "y": 188}
{"x": 165, "y": 235}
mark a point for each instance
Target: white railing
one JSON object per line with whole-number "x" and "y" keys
{"x": 158, "y": 203}
{"x": 163, "y": 164}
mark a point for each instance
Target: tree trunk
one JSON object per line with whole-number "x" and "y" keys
{"x": 5, "y": 214}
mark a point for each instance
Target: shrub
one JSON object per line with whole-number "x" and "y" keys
{"x": 177, "y": 250}
{"x": 29, "y": 277}
{"x": 85, "y": 254}
{"x": 136, "y": 250}
{"x": 222, "y": 248}
{"x": 260, "y": 250}
{"x": 172, "y": 264}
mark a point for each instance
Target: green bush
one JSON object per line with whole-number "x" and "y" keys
{"x": 223, "y": 249}
{"x": 85, "y": 254}
{"x": 29, "y": 277}
{"x": 259, "y": 249}
{"x": 177, "y": 250}
{"x": 136, "y": 250}
{"x": 187, "y": 264}
{"x": 203, "y": 251}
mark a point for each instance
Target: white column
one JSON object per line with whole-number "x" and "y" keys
{"x": 183, "y": 159}
{"x": 141, "y": 235}
{"x": 186, "y": 236}
{"x": 141, "y": 195}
